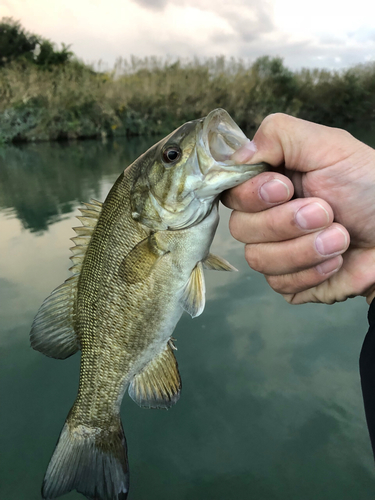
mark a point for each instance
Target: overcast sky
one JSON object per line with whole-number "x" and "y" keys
{"x": 318, "y": 33}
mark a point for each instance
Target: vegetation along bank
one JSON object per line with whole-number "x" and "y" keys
{"x": 46, "y": 93}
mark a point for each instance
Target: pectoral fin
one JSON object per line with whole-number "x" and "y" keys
{"x": 158, "y": 385}
{"x": 194, "y": 296}
{"x": 217, "y": 263}
{"x": 140, "y": 261}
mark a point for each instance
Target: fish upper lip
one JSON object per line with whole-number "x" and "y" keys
{"x": 221, "y": 137}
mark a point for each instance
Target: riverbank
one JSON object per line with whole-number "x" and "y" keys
{"x": 150, "y": 96}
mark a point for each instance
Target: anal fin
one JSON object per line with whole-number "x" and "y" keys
{"x": 158, "y": 385}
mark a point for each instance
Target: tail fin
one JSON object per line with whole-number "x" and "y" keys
{"x": 92, "y": 461}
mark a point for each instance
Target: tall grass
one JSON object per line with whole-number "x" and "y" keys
{"x": 153, "y": 96}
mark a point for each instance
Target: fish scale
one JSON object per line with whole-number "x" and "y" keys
{"x": 137, "y": 265}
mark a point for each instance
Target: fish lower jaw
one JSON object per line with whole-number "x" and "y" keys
{"x": 220, "y": 180}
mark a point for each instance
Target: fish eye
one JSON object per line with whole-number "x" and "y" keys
{"x": 171, "y": 154}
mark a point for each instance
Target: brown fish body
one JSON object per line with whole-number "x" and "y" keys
{"x": 139, "y": 306}
{"x": 138, "y": 264}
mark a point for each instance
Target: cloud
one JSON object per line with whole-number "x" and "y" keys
{"x": 246, "y": 20}
{"x": 203, "y": 28}
{"x": 363, "y": 34}
{"x": 151, "y": 4}
{"x": 252, "y": 23}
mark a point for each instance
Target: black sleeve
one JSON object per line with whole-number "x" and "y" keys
{"x": 367, "y": 371}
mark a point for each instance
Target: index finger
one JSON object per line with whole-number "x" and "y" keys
{"x": 259, "y": 193}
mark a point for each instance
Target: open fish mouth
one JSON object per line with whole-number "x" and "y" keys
{"x": 222, "y": 137}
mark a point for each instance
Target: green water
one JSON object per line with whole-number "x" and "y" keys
{"x": 271, "y": 406}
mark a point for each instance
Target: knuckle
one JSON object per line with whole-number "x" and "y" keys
{"x": 274, "y": 120}
{"x": 292, "y": 283}
{"x": 253, "y": 257}
{"x": 283, "y": 287}
{"x": 272, "y": 226}
{"x": 235, "y": 228}
{"x": 304, "y": 258}
{"x": 276, "y": 283}
{"x": 289, "y": 297}
{"x": 300, "y": 282}
{"x": 343, "y": 134}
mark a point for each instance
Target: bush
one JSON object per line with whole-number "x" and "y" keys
{"x": 153, "y": 96}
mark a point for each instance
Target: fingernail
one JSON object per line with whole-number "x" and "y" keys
{"x": 245, "y": 153}
{"x": 331, "y": 241}
{"x": 312, "y": 216}
{"x": 274, "y": 191}
{"x": 329, "y": 265}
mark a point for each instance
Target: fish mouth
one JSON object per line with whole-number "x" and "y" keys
{"x": 219, "y": 139}
{"x": 221, "y": 136}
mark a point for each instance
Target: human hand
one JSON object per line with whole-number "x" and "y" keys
{"x": 319, "y": 247}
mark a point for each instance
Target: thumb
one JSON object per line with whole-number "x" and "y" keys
{"x": 301, "y": 145}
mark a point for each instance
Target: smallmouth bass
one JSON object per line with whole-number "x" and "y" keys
{"x": 137, "y": 265}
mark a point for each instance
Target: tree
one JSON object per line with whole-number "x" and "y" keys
{"x": 15, "y": 42}
{"x": 18, "y": 44}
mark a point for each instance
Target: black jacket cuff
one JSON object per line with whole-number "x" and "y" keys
{"x": 367, "y": 371}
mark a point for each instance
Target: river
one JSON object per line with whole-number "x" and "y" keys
{"x": 271, "y": 407}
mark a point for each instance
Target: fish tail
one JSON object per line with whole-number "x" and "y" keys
{"x": 90, "y": 460}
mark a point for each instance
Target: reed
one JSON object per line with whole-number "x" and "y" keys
{"x": 153, "y": 96}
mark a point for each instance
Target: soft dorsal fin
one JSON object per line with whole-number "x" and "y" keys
{"x": 158, "y": 385}
{"x": 194, "y": 295}
{"x": 52, "y": 331}
{"x": 217, "y": 263}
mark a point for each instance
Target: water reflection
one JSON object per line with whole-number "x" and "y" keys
{"x": 271, "y": 406}
{"x": 41, "y": 182}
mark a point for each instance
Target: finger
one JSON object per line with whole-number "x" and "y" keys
{"x": 259, "y": 193}
{"x": 291, "y": 284}
{"x": 288, "y": 257}
{"x": 301, "y": 145}
{"x": 355, "y": 277}
{"x": 284, "y": 222}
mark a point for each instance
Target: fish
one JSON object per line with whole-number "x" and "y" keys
{"x": 138, "y": 265}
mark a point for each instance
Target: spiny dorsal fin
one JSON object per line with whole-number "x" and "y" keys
{"x": 158, "y": 385}
{"x": 52, "y": 330}
{"x": 89, "y": 219}
{"x": 217, "y": 263}
{"x": 193, "y": 298}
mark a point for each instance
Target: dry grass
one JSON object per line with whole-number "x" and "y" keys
{"x": 151, "y": 96}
